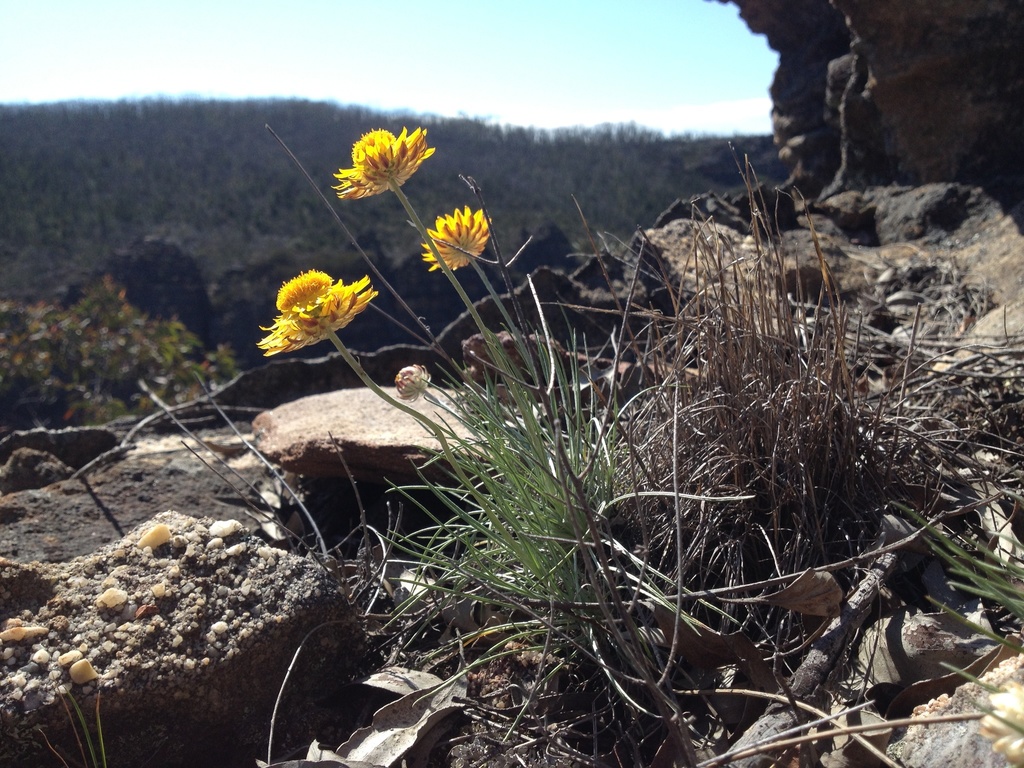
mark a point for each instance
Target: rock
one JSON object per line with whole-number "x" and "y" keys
{"x": 807, "y": 34}
{"x": 722, "y": 211}
{"x": 75, "y": 446}
{"x": 871, "y": 92}
{"x": 28, "y": 468}
{"x": 378, "y": 442}
{"x": 546, "y": 245}
{"x": 911, "y": 213}
{"x": 850, "y": 212}
{"x": 164, "y": 281}
{"x": 70, "y": 518}
{"x": 956, "y": 744}
{"x": 188, "y": 668}
{"x": 948, "y": 82}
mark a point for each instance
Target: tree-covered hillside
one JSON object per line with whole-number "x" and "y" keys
{"x": 81, "y": 181}
{"x": 78, "y": 180}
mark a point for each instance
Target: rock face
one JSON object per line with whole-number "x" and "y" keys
{"x": 189, "y": 637}
{"x": 947, "y": 79}
{"x": 46, "y": 518}
{"x": 956, "y": 744}
{"x": 165, "y": 282}
{"x": 873, "y": 92}
{"x": 807, "y": 34}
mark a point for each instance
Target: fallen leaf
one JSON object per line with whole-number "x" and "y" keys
{"x": 815, "y": 593}
{"x": 401, "y": 680}
{"x": 704, "y": 647}
{"x": 925, "y": 690}
{"x": 849, "y": 752}
{"x": 398, "y": 726}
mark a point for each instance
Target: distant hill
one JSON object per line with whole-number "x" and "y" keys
{"x": 79, "y": 181}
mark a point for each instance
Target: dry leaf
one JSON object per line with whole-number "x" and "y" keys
{"x": 814, "y": 593}
{"x": 401, "y": 680}
{"x": 703, "y": 647}
{"x": 849, "y": 752}
{"x": 925, "y": 690}
{"x": 398, "y": 726}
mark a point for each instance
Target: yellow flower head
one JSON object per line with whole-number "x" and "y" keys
{"x": 1005, "y": 726}
{"x": 459, "y": 238}
{"x": 379, "y": 158}
{"x": 311, "y": 306}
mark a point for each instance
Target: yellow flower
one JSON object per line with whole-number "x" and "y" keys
{"x": 378, "y": 158}
{"x": 312, "y": 305}
{"x": 412, "y": 381}
{"x": 459, "y": 238}
{"x": 1005, "y": 726}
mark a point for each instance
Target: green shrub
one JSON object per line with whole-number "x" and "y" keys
{"x": 82, "y": 364}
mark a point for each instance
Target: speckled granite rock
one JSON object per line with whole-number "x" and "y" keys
{"x": 956, "y": 744}
{"x": 190, "y": 640}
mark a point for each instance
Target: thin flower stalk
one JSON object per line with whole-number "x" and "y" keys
{"x": 429, "y": 424}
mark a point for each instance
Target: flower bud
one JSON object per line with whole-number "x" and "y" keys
{"x": 412, "y": 381}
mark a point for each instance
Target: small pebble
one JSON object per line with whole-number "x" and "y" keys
{"x": 155, "y": 536}
{"x": 42, "y": 656}
{"x": 112, "y": 598}
{"x": 19, "y": 633}
{"x": 82, "y": 672}
{"x": 223, "y": 528}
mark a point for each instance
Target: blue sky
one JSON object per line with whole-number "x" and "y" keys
{"x": 672, "y": 65}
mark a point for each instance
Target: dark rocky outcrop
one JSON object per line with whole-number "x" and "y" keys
{"x": 871, "y": 92}
{"x": 166, "y": 282}
{"x": 807, "y": 34}
{"x": 74, "y": 447}
{"x": 546, "y": 245}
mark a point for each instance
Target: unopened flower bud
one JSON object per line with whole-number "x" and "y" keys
{"x": 412, "y": 381}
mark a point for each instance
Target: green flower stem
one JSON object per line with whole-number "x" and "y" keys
{"x": 426, "y": 422}
{"x": 414, "y": 217}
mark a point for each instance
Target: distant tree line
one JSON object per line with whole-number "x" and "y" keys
{"x": 80, "y": 179}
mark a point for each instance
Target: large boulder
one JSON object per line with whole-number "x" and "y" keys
{"x": 164, "y": 281}
{"x": 871, "y": 92}
{"x": 807, "y": 34}
{"x": 352, "y": 432}
{"x": 181, "y": 634}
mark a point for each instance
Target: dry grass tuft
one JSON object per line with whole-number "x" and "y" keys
{"x": 754, "y": 398}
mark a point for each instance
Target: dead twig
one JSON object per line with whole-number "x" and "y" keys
{"x": 817, "y": 666}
